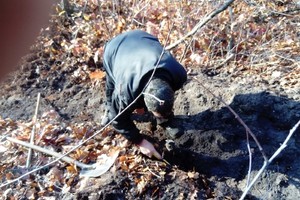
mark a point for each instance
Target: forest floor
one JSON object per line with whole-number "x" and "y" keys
{"x": 210, "y": 160}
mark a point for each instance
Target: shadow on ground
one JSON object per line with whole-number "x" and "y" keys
{"x": 214, "y": 142}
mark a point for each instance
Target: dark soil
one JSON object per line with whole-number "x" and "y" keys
{"x": 214, "y": 143}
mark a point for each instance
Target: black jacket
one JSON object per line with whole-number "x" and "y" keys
{"x": 129, "y": 60}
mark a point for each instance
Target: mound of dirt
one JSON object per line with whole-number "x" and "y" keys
{"x": 216, "y": 142}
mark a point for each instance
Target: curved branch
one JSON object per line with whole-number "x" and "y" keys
{"x": 266, "y": 163}
{"x": 201, "y": 24}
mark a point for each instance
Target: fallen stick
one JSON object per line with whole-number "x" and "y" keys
{"x": 32, "y": 135}
{"x": 49, "y": 152}
{"x": 268, "y": 162}
{"x": 92, "y": 170}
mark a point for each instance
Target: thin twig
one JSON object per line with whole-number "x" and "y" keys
{"x": 201, "y": 24}
{"x": 284, "y": 144}
{"x": 157, "y": 176}
{"x": 250, "y": 161}
{"x": 154, "y": 174}
{"x": 187, "y": 46}
{"x": 266, "y": 160}
{"x": 231, "y": 55}
{"x": 140, "y": 10}
{"x": 32, "y": 135}
{"x": 266, "y": 163}
{"x": 103, "y": 18}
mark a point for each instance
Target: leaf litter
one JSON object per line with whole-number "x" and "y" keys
{"x": 263, "y": 38}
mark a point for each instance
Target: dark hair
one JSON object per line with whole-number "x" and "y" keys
{"x": 159, "y": 97}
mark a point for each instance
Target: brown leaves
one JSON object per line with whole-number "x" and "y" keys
{"x": 97, "y": 75}
{"x": 249, "y": 31}
{"x": 9, "y": 176}
{"x": 141, "y": 184}
{"x": 53, "y": 134}
{"x": 56, "y": 174}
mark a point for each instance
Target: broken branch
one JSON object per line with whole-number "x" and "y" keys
{"x": 201, "y": 24}
{"x": 32, "y": 135}
{"x": 266, "y": 163}
{"x": 87, "y": 170}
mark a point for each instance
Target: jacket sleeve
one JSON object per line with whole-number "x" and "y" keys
{"x": 109, "y": 89}
{"x": 123, "y": 124}
{"x": 109, "y": 83}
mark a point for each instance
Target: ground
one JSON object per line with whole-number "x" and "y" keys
{"x": 214, "y": 143}
{"x": 209, "y": 161}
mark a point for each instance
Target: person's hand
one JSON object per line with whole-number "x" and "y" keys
{"x": 148, "y": 149}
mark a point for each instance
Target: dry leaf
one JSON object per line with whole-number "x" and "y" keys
{"x": 97, "y": 75}
{"x": 141, "y": 184}
{"x": 72, "y": 169}
{"x": 2, "y": 149}
{"x": 30, "y": 194}
{"x": 56, "y": 174}
{"x": 193, "y": 175}
{"x": 122, "y": 158}
{"x": 9, "y": 176}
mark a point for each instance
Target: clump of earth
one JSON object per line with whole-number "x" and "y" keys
{"x": 214, "y": 143}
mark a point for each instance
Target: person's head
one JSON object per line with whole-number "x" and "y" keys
{"x": 159, "y": 98}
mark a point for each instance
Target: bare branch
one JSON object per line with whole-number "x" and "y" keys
{"x": 250, "y": 161}
{"x": 266, "y": 163}
{"x": 284, "y": 144}
{"x": 103, "y": 18}
{"x": 201, "y": 24}
{"x": 87, "y": 170}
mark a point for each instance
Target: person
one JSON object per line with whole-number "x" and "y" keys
{"x": 129, "y": 60}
